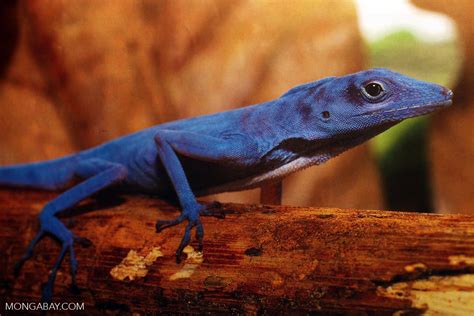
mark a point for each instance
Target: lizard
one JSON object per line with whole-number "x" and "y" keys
{"x": 228, "y": 151}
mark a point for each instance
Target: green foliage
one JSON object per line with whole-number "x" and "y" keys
{"x": 402, "y": 51}
{"x": 401, "y": 151}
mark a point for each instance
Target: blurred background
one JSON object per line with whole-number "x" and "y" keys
{"x": 74, "y": 74}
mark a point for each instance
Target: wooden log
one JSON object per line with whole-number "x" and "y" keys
{"x": 258, "y": 259}
{"x": 271, "y": 193}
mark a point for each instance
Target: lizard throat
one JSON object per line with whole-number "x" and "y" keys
{"x": 278, "y": 165}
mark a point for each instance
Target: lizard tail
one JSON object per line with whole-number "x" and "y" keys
{"x": 48, "y": 175}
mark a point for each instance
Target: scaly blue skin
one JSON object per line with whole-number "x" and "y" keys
{"x": 227, "y": 151}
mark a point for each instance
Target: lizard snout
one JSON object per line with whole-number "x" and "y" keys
{"x": 449, "y": 94}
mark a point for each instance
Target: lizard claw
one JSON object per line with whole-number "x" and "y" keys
{"x": 193, "y": 221}
{"x": 184, "y": 241}
{"x": 28, "y": 253}
{"x": 162, "y": 225}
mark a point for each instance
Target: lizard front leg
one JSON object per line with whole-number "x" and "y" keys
{"x": 200, "y": 147}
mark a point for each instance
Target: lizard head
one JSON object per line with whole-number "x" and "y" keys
{"x": 374, "y": 100}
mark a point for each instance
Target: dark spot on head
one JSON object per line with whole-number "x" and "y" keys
{"x": 352, "y": 95}
{"x": 253, "y": 252}
{"x": 325, "y": 114}
{"x": 305, "y": 109}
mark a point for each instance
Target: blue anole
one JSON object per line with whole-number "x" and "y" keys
{"x": 228, "y": 151}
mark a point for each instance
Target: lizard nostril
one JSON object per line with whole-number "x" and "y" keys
{"x": 449, "y": 94}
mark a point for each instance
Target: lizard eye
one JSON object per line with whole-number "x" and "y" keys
{"x": 373, "y": 91}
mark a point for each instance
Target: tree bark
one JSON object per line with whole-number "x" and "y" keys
{"x": 259, "y": 259}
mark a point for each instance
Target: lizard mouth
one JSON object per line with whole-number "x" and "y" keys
{"x": 406, "y": 112}
{"x": 416, "y": 110}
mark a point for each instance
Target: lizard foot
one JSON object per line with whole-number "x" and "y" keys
{"x": 50, "y": 225}
{"x": 192, "y": 215}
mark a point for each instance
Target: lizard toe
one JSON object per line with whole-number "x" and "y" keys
{"x": 163, "y": 224}
{"x": 199, "y": 234}
{"x": 28, "y": 253}
{"x": 48, "y": 287}
{"x": 185, "y": 240}
{"x": 193, "y": 217}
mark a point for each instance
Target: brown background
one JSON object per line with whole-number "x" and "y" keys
{"x": 452, "y": 132}
{"x": 84, "y": 72}
{"x": 77, "y": 73}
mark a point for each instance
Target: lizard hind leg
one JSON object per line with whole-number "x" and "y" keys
{"x": 99, "y": 175}
{"x": 54, "y": 227}
{"x": 50, "y": 225}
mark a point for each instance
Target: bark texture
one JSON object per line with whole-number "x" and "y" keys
{"x": 259, "y": 259}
